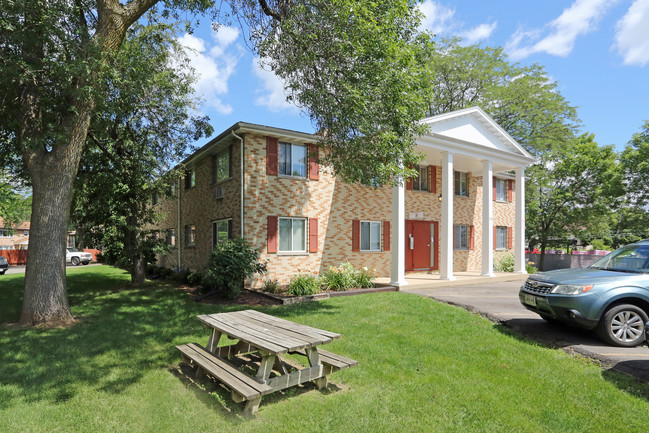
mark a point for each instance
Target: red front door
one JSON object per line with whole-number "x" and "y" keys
{"x": 420, "y": 245}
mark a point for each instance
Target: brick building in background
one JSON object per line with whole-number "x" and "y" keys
{"x": 266, "y": 185}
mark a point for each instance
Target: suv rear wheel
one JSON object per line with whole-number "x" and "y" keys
{"x": 623, "y": 325}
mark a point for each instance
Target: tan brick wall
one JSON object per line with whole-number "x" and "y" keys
{"x": 334, "y": 203}
{"x": 200, "y": 208}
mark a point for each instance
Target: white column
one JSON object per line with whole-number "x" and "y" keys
{"x": 446, "y": 244}
{"x": 398, "y": 257}
{"x": 487, "y": 220}
{"x": 519, "y": 230}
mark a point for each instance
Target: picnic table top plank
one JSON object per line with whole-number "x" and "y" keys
{"x": 269, "y": 333}
{"x": 257, "y": 340}
{"x": 312, "y": 338}
{"x": 291, "y": 326}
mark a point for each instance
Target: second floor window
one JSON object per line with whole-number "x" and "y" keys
{"x": 221, "y": 166}
{"x": 422, "y": 181}
{"x": 190, "y": 236}
{"x": 501, "y": 190}
{"x": 190, "y": 179}
{"x": 461, "y": 184}
{"x": 292, "y": 159}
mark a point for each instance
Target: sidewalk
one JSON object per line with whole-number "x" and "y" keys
{"x": 423, "y": 280}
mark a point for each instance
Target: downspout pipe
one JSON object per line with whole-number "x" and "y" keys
{"x": 178, "y": 189}
{"x": 241, "y": 170}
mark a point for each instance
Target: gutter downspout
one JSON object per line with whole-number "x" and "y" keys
{"x": 242, "y": 173}
{"x": 178, "y": 232}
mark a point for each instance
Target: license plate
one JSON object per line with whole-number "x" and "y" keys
{"x": 530, "y": 300}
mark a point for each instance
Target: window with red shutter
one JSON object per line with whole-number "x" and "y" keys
{"x": 313, "y": 235}
{"x": 272, "y": 234}
{"x": 356, "y": 229}
{"x": 271, "y": 155}
{"x": 314, "y": 168}
{"x": 386, "y": 236}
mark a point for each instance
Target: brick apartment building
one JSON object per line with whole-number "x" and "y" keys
{"x": 464, "y": 209}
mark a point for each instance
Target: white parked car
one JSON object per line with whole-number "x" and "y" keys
{"x": 76, "y": 257}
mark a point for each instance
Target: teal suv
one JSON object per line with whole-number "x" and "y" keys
{"x": 611, "y": 296}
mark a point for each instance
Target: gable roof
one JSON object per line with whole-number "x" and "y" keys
{"x": 474, "y": 126}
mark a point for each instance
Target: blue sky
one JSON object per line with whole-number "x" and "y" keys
{"x": 597, "y": 51}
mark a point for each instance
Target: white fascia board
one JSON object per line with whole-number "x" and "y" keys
{"x": 454, "y": 145}
{"x": 485, "y": 119}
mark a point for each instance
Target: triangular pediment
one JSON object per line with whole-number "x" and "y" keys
{"x": 474, "y": 126}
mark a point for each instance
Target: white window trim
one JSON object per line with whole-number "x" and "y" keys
{"x": 468, "y": 241}
{"x": 360, "y": 236}
{"x": 504, "y": 199}
{"x": 455, "y": 192}
{"x": 214, "y": 225}
{"x": 506, "y": 230}
{"x": 306, "y": 234}
{"x": 306, "y": 162}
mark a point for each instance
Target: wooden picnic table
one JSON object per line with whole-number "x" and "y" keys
{"x": 262, "y": 341}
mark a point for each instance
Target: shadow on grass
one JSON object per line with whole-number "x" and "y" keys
{"x": 629, "y": 376}
{"x": 121, "y": 335}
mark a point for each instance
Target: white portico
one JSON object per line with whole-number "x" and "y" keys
{"x": 469, "y": 151}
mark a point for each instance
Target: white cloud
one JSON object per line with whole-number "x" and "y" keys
{"x": 273, "y": 95}
{"x": 632, "y": 34}
{"x": 213, "y": 65}
{"x": 559, "y": 36}
{"x": 479, "y": 33}
{"x": 440, "y": 20}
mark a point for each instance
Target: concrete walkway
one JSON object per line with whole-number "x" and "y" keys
{"x": 425, "y": 280}
{"x": 497, "y": 299}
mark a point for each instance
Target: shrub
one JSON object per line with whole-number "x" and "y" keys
{"x": 304, "y": 284}
{"x": 364, "y": 278}
{"x": 271, "y": 286}
{"x": 530, "y": 268}
{"x": 231, "y": 262}
{"x": 341, "y": 278}
{"x": 180, "y": 276}
{"x": 194, "y": 278}
{"x": 505, "y": 263}
{"x": 598, "y": 244}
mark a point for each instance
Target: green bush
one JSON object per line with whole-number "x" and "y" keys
{"x": 342, "y": 277}
{"x": 598, "y": 244}
{"x": 505, "y": 263}
{"x": 530, "y": 268}
{"x": 303, "y": 285}
{"x": 271, "y": 286}
{"x": 231, "y": 262}
{"x": 364, "y": 278}
{"x": 194, "y": 278}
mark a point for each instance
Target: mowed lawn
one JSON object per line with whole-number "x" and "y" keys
{"x": 424, "y": 367}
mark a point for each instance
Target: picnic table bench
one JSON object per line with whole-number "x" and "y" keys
{"x": 261, "y": 342}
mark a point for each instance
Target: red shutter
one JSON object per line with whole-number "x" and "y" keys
{"x": 433, "y": 178}
{"x": 510, "y": 237}
{"x": 471, "y": 237}
{"x": 314, "y": 167}
{"x": 356, "y": 238}
{"x": 510, "y": 190}
{"x": 271, "y": 155}
{"x": 272, "y": 234}
{"x": 313, "y": 235}
{"x": 386, "y": 235}
{"x": 495, "y": 236}
{"x": 495, "y": 189}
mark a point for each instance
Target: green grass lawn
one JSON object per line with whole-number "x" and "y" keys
{"x": 424, "y": 367}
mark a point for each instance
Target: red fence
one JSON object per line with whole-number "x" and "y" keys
{"x": 15, "y": 257}
{"x": 19, "y": 257}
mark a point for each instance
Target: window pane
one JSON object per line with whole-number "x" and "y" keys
{"x": 500, "y": 190}
{"x": 222, "y": 230}
{"x": 284, "y": 158}
{"x": 463, "y": 184}
{"x": 457, "y": 183}
{"x": 223, "y": 166}
{"x": 375, "y": 237}
{"x": 365, "y": 236}
{"x": 285, "y": 234}
{"x": 299, "y": 235}
{"x": 298, "y": 160}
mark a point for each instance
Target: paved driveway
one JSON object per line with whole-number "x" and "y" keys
{"x": 499, "y": 302}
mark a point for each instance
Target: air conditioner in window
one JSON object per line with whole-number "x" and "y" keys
{"x": 218, "y": 192}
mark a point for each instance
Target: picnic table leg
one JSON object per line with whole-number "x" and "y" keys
{"x": 213, "y": 341}
{"x": 314, "y": 359}
{"x": 251, "y": 407}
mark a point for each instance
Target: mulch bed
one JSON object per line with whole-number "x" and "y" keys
{"x": 246, "y": 297}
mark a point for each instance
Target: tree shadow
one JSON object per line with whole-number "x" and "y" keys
{"x": 121, "y": 334}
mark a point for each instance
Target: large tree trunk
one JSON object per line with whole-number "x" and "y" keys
{"x": 52, "y": 174}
